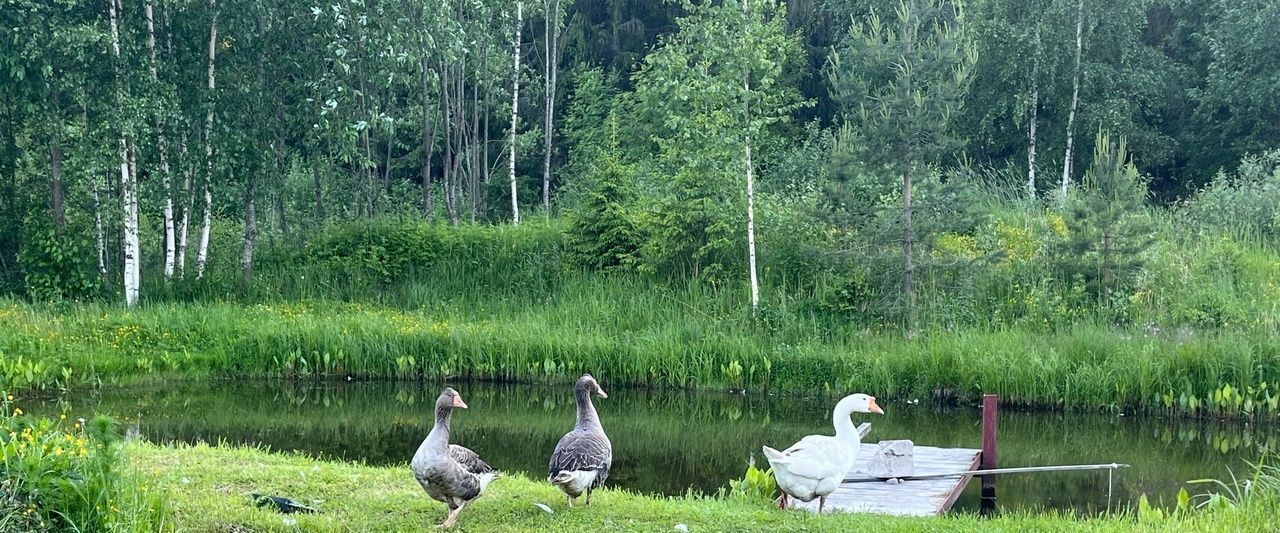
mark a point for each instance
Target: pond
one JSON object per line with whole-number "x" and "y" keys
{"x": 671, "y": 442}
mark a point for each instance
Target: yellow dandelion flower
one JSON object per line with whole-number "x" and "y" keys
{"x": 17, "y": 411}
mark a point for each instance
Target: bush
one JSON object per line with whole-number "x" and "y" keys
{"x": 1245, "y": 204}
{"x": 57, "y": 266}
{"x": 69, "y": 479}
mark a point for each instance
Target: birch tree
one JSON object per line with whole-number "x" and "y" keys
{"x": 551, "y": 62}
{"x": 202, "y": 253}
{"x": 515, "y": 107}
{"x": 128, "y": 181}
{"x": 170, "y": 245}
{"x": 1075, "y": 102}
{"x": 711, "y": 91}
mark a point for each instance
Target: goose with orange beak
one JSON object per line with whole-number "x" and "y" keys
{"x": 815, "y": 466}
{"x": 450, "y": 473}
{"x": 581, "y": 460}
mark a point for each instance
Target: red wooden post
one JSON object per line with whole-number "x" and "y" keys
{"x": 990, "y": 403}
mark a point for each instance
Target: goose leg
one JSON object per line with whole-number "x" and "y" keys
{"x": 570, "y": 498}
{"x": 453, "y": 516}
{"x": 782, "y": 502}
{"x": 588, "y": 497}
{"x": 822, "y": 501}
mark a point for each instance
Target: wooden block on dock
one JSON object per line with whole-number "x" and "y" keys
{"x": 924, "y": 497}
{"x": 894, "y": 458}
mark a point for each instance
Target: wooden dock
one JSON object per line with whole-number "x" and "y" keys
{"x": 923, "y": 497}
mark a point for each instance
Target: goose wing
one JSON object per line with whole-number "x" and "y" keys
{"x": 813, "y": 457}
{"x": 469, "y": 460}
{"x": 582, "y": 450}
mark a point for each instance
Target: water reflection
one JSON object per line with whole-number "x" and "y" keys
{"x": 670, "y": 442}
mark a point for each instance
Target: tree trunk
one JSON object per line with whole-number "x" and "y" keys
{"x": 515, "y": 104}
{"x": 428, "y": 141}
{"x": 473, "y": 154}
{"x": 909, "y": 269}
{"x": 391, "y": 140}
{"x": 202, "y": 253}
{"x": 282, "y": 167}
{"x": 162, "y": 148}
{"x": 751, "y": 184}
{"x": 1075, "y": 101}
{"x": 319, "y": 192}
{"x": 751, "y": 204}
{"x": 551, "y": 32}
{"x": 188, "y": 193}
{"x": 447, "y": 162}
{"x": 250, "y": 228}
{"x": 132, "y": 245}
{"x": 459, "y": 101}
{"x": 128, "y": 187}
{"x": 1031, "y": 145}
{"x": 100, "y": 235}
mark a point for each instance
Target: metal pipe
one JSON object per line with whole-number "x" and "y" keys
{"x": 994, "y": 471}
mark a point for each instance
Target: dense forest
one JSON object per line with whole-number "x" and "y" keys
{"x": 861, "y": 153}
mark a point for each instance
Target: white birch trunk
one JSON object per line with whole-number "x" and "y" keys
{"x": 515, "y": 103}
{"x": 751, "y": 187}
{"x": 1031, "y": 145}
{"x": 189, "y": 199}
{"x": 162, "y": 147}
{"x": 202, "y": 253}
{"x": 100, "y": 235}
{"x": 1075, "y": 101}
{"x": 250, "y": 230}
{"x": 128, "y": 188}
{"x": 132, "y": 246}
{"x": 751, "y": 224}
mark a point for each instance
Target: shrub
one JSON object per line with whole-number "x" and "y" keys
{"x": 1245, "y": 204}
{"x": 57, "y": 266}
{"x": 60, "y": 478}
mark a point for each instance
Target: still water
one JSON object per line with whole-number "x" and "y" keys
{"x": 672, "y": 442}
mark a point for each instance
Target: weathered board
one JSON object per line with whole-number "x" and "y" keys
{"x": 925, "y": 497}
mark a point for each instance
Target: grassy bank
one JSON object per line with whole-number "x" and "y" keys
{"x": 209, "y": 489}
{"x": 1087, "y": 367}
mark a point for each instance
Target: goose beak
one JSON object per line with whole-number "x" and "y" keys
{"x": 600, "y": 392}
{"x": 457, "y": 402}
{"x": 875, "y": 408}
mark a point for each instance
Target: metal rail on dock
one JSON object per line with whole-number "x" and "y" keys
{"x": 995, "y": 471}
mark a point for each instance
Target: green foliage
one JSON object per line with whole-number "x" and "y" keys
{"x": 590, "y": 123}
{"x": 602, "y": 231}
{"x": 900, "y": 82}
{"x": 1244, "y": 204}
{"x": 1108, "y": 228}
{"x": 58, "y": 266}
{"x": 64, "y": 477}
{"x": 756, "y": 485}
{"x": 692, "y": 100}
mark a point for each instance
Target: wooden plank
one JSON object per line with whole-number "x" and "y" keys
{"x": 924, "y": 497}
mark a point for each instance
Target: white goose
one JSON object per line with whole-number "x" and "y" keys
{"x": 815, "y": 466}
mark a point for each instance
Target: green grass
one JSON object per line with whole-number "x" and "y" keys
{"x": 1087, "y": 367}
{"x": 208, "y": 490}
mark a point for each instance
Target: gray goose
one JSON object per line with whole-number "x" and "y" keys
{"x": 582, "y": 458}
{"x": 449, "y": 473}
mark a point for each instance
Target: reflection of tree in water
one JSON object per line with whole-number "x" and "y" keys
{"x": 670, "y": 441}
